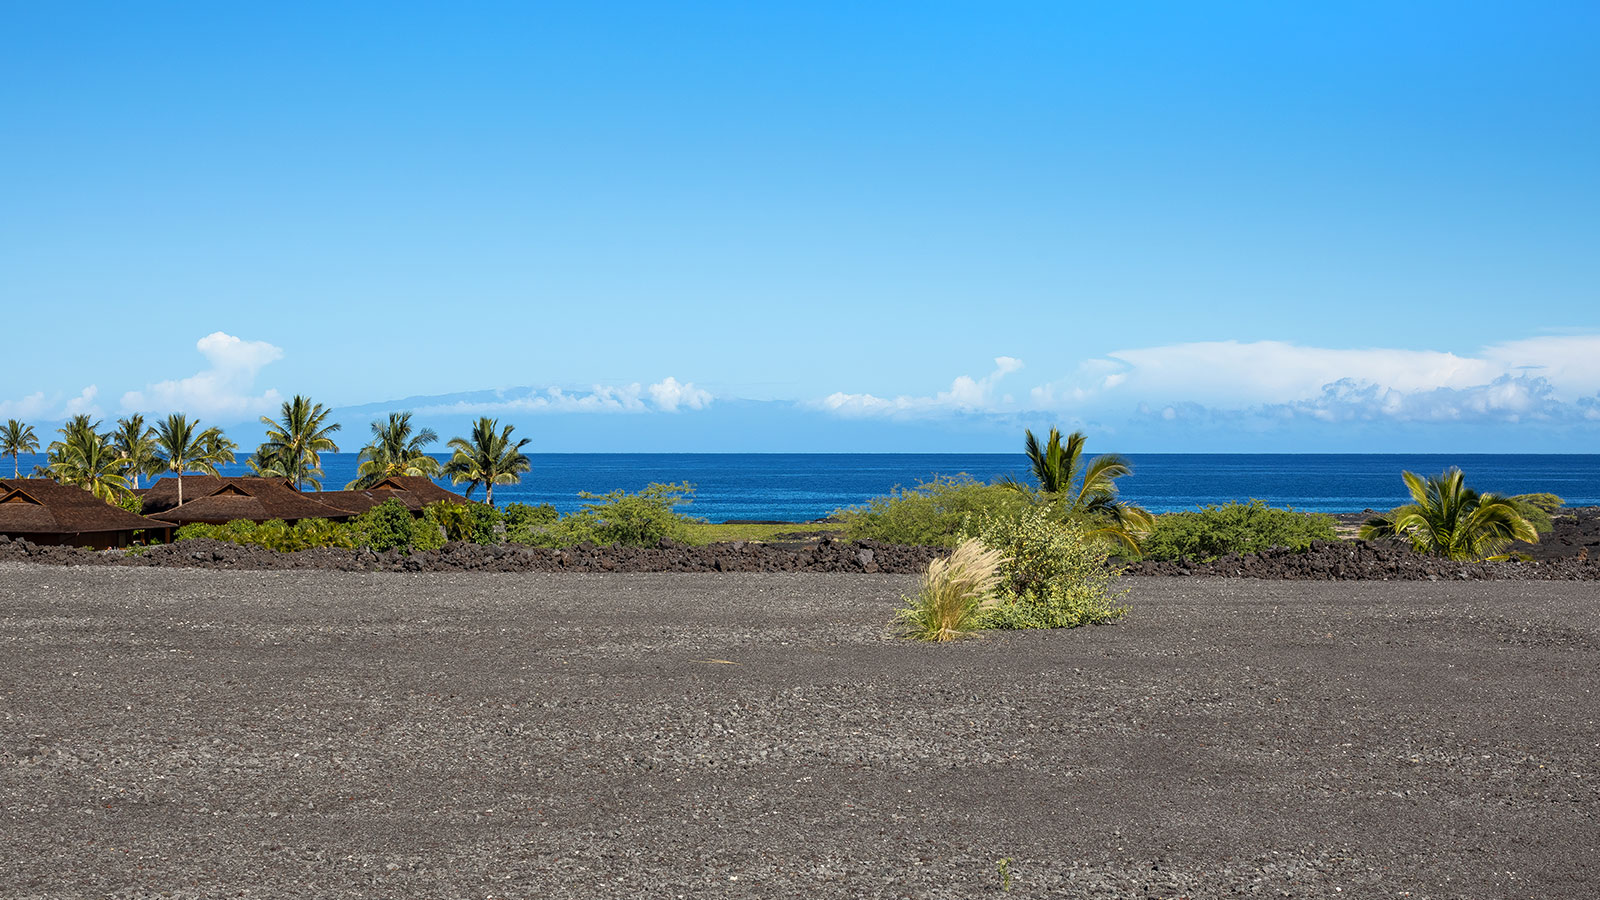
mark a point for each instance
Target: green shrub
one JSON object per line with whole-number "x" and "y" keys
{"x": 385, "y": 527}
{"x": 237, "y": 531}
{"x": 132, "y": 503}
{"x": 195, "y": 530}
{"x": 486, "y": 524}
{"x": 1054, "y": 574}
{"x": 312, "y": 533}
{"x": 1214, "y": 531}
{"x": 455, "y": 518}
{"x": 640, "y": 519}
{"x": 1537, "y": 509}
{"x": 523, "y": 522}
{"x": 933, "y": 514}
{"x": 427, "y": 533}
{"x": 275, "y": 534}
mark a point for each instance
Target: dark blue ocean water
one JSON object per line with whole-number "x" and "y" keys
{"x": 802, "y": 486}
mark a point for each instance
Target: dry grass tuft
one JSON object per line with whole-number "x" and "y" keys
{"x": 956, "y": 595}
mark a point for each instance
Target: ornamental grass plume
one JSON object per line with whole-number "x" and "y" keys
{"x": 956, "y": 595}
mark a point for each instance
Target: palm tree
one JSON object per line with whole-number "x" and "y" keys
{"x": 1447, "y": 518}
{"x": 135, "y": 443}
{"x": 184, "y": 448}
{"x": 395, "y": 450}
{"x": 487, "y": 458}
{"x": 218, "y": 449}
{"x": 299, "y": 439}
{"x": 1076, "y": 490}
{"x": 17, "y": 438}
{"x": 90, "y": 461}
{"x": 266, "y": 464}
{"x": 78, "y": 431}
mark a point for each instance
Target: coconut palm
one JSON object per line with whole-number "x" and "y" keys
{"x": 1447, "y": 518}
{"x": 186, "y": 448}
{"x": 135, "y": 443}
{"x": 217, "y": 447}
{"x": 1083, "y": 491}
{"x": 90, "y": 461}
{"x": 299, "y": 439}
{"x": 264, "y": 463}
{"x": 78, "y": 431}
{"x": 17, "y": 438}
{"x": 487, "y": 458}
{"x": 395, "y": 450}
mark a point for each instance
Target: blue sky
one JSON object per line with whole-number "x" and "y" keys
{"x": 817, "y": 226}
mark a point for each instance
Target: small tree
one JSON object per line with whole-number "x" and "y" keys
{"x": 185, "y": 448}
{"x": 1084, "y": 492}
{"x": 386, "y": 526}
{"x": 299, "y": 438}
{"x": 17, "y": 438}
{"x": 396, "y": 449}
{"x": 487, "y": 458}
{"x": 1447, "y": 518}
{"x": 135, "y": 443}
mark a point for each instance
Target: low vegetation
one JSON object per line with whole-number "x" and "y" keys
{"x": 1054, "y": 574}
{"x": 1015, "y": 571}
{"x": 1218, "y": 530}
{"x": 956, "y": 595}
{"x": 1084, "y": 492}
{"x": 638, "y": 519}
{"x": 641, "y": 519}
{"x": 932, "y": 514}
{"x": 1446, "y": 518}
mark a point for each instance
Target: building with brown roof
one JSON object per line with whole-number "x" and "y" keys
{"x": 255, "y": 499}
{"x": 44, "y": 512}
{"x": 162, "y": 494}
{"x": 414, "y": 491}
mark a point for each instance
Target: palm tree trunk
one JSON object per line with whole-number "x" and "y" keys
{"x": 180, "y": 485}
{"x": 490, "y": 495}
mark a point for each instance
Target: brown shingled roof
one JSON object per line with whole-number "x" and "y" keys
{"x": 421, "y": 486}
{"x": 256, "y": 499}
{"x": 415, "y": 491}
{"x": 162, "y": 494}
{"x": 39, "y": 506}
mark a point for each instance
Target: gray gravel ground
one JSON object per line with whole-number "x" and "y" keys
{"x": 189, "y": 733}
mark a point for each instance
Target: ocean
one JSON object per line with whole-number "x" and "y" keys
{"x": 804, "y": 486}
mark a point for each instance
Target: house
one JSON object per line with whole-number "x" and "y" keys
{"x": 414, "y": 491}
{"x": 162, "y": 494}
{"x": 44, "y": 512}
{"x": 255, "y": 499}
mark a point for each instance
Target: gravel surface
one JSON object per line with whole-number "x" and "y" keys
{"x": 191, "y": 733}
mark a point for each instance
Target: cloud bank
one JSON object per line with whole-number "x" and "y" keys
{"x": 225, "y": 389}
{"x": 966, "y": 394}
{"x": 668, "y": 396}
{"x": 1552, "y": 379}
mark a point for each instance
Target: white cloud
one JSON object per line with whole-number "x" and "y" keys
{"x": 1548, "y": 379}
{"x": 83, "y": 403}
{"x": 30, "y": 407}
{"x": 224, "y": 390}
{"x": 669, "y": 395}
{"x": 966, "y": 394}
{"x": 1551, "y": 378}
{"x": 1265, "y": 372}
{"x": 39, "y": 407}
